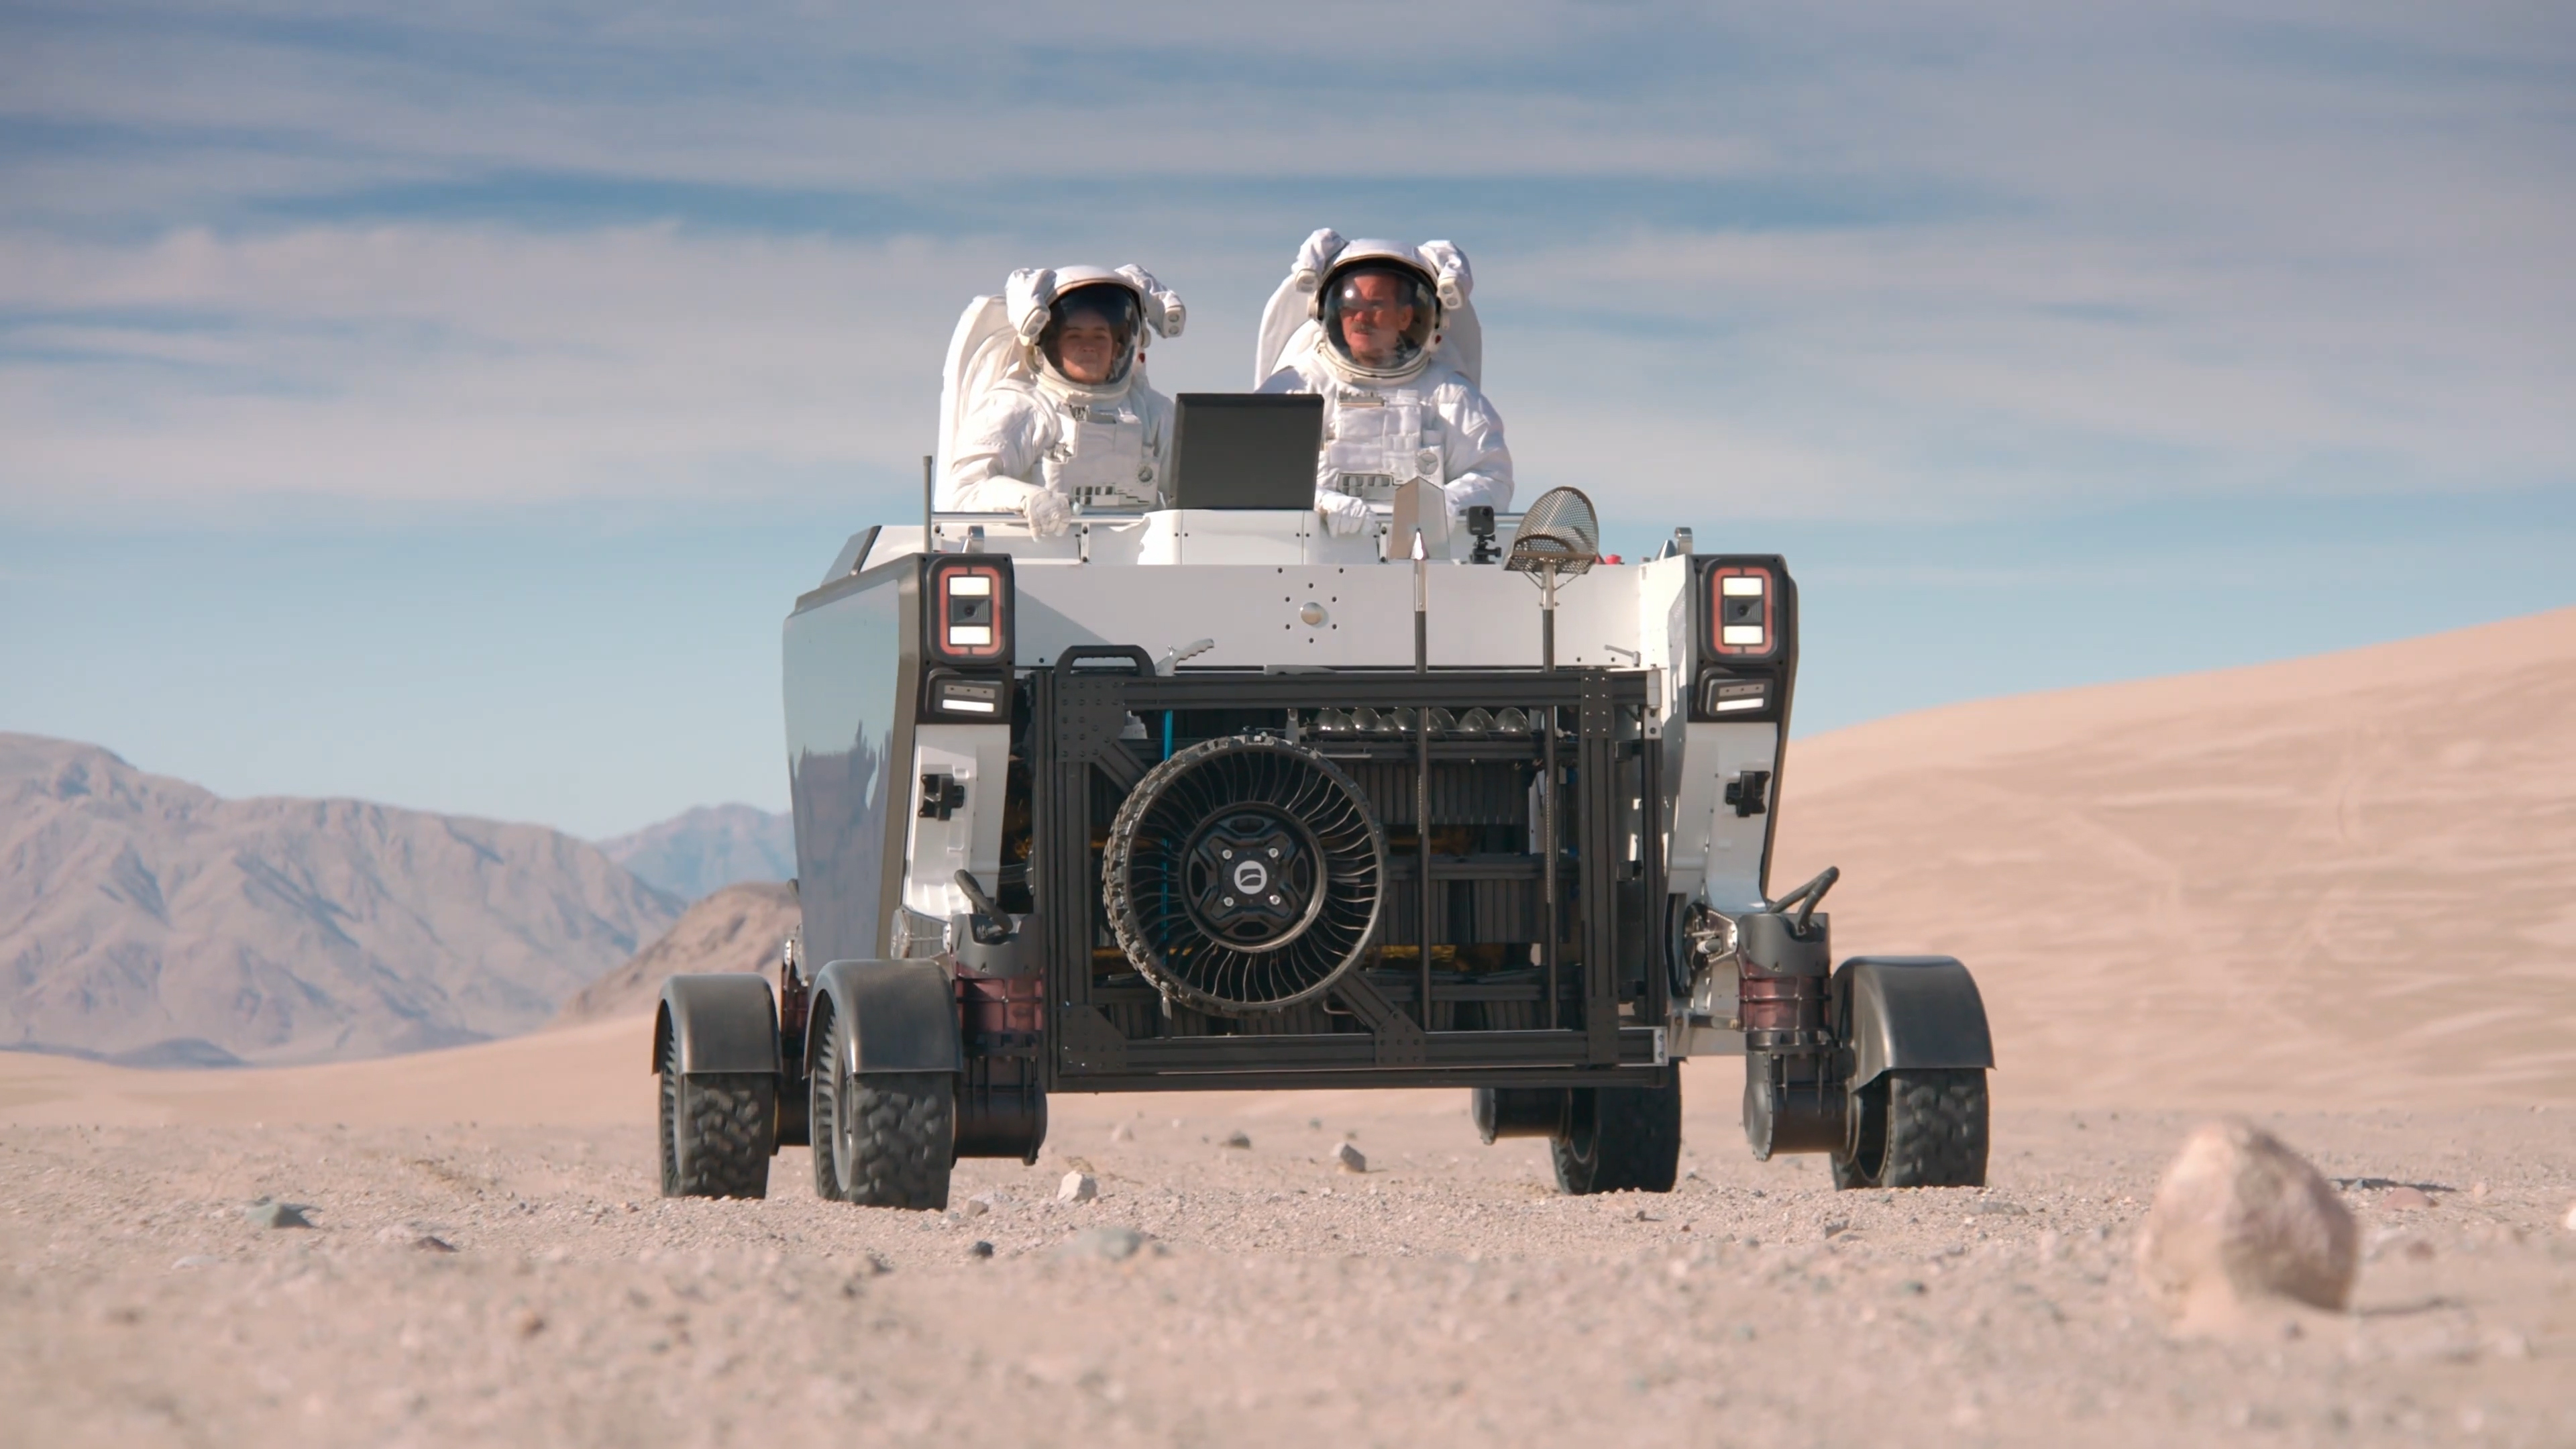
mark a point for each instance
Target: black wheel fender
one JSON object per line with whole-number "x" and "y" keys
{"x": 720, "y": 1023}
{"x": 902, "y": 1016}
{"x": 1900, "y": 1012}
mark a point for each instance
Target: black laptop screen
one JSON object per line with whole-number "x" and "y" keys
{"x": 1245, "y": 450}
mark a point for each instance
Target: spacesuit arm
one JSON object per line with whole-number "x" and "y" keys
{"x": 999, "y": 450}
{"x": 1476, "y": 462}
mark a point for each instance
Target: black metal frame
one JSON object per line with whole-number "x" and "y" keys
{"x": 1073, "y": 747}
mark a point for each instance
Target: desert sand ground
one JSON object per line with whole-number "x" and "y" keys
{"x": 2338, "y": 895}
{"x": 1445, "y": 1295}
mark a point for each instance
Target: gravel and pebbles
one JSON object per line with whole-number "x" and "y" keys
{"x": 524, "y": 1286}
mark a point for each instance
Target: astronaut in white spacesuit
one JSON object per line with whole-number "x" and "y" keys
{"x": 1389, "y": 339}
{"x": 1045, "y": 408}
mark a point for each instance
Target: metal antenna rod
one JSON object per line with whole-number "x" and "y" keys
{"x": 1421, "y": 606}
{"x": 1547, "y": 619}
{"x": 1547, "y": 790}
{"x": 1422, "y": 763}
{"x": 926, "y": 463}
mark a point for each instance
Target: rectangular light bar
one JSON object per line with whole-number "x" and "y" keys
{"x": 969, "y": 598}
{"x": 1739, "y": 610}
{"x": 1737, "y": 696}
{"x": 966, "y": 696}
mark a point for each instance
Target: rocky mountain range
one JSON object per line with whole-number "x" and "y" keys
{"x": 145, "y": 919}
{"x": 706, "y": 849}
{"x": 738, "y": 928}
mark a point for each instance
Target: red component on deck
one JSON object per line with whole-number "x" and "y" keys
{"x": 1781, "y": 1003}
{"x": 996, "y": 1012}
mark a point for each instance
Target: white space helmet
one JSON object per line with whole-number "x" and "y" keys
{"x": 1105, "y": 312}
{"x": 1378, "y": 306}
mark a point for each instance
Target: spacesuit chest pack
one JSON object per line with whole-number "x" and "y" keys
{"x": 1380, "y": 440}
{"x": 1107, "y": 455}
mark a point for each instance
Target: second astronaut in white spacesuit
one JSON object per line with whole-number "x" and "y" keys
{"x": 1401, "y": 398}
{"x": 1048, "y": 409}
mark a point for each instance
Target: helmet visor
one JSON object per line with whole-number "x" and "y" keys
{"x": 1380, "y": 317}
{"x": 1090, "y": 336}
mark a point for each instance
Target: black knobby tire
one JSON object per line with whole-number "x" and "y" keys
{"x": 822, "y": 1120}
{"x": 1620, "y": 1139}
{"x": 715, "y": 1130}
{"x": 894, "y": 1134}
{"x": 1918, "y": 1127}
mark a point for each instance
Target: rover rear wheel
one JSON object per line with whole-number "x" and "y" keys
{"x": 1918, "y": 1127}
{"x": 1620, "y": 1139}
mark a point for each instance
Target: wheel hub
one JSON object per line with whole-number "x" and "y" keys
{"x": 1254, "y": 877}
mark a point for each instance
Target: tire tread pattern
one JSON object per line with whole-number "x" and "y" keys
{"x": 1636, "y": 1142}
{"x": 822, "y": 1122}
{"x": 1936, "y": 1128}
{"x": 904, "y": 1141}
{"x": 716, "y": 1128}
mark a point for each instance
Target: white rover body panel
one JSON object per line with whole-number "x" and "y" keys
{"x": 1273, "y": 591}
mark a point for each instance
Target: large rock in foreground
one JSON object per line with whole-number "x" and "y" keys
{"x": 2240, "y": 1220}
{"x": 738, "y": 928}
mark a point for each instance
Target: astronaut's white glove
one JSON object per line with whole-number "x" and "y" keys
{"x": 1163, "y": 310}
{"x": 1451, "y": 276}
{"x": 1343, "y": 514}
{"x": 1314, "y": 257}
{"x": 1049, "y": 513}
{"x": 1028, "y": 299}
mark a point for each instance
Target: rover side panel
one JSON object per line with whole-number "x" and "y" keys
{"x": 974, "y": 762}
{"x": 1727, "y": 783}
{"x": 852, "y": 672}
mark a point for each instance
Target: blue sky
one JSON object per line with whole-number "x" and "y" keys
{"x": 441, "y": 405}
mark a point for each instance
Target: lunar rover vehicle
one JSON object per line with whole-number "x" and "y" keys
{"x": 1206, "y": 797}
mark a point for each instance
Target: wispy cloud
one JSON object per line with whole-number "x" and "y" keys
{"x": 1945, "y": 261}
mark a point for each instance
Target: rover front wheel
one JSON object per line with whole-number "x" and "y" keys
{"x": 822, "y": 1116}
{"x": 715, "y": 1130}
{"x": 1620, "y": 1139}
{"x": 1918, "y": 1127}
{"x": 894, "y": 1134}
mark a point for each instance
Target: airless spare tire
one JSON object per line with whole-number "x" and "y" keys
{"x": 1244, "y": 874}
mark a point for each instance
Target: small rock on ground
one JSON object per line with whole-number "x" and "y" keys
{"x": 1351, "y": 1159}
{"x": 2409, "y": 1198}
{"x": 1077, "y": 1187}
{"x": 270, "y": 1213}
{"x": 1237, "y": 1138}
{"x": 1109, "y": 1244}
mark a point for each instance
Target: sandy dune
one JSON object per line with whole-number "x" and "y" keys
{"x": 2342, "y": 881}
